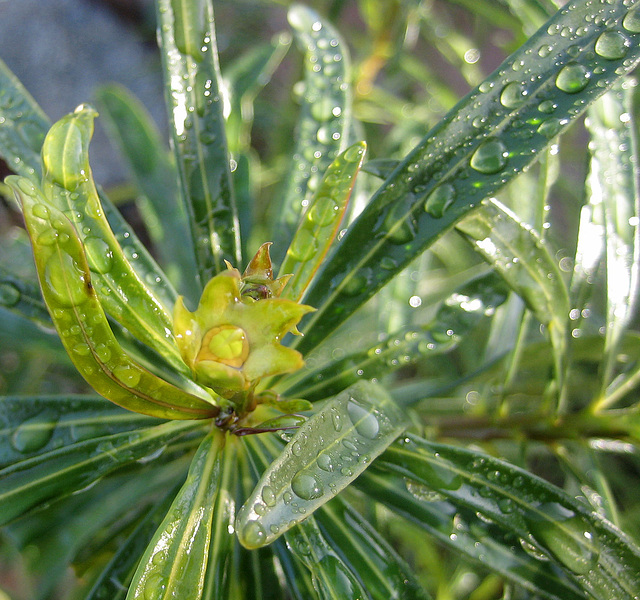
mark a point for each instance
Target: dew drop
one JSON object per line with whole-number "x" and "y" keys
{"x": 99, "y": 254}
{"x": 336, "y": 420}
{"x": 34, "y": 433}
{"x": 154, "y": 586}
{"x": 354, "y": 153}
{"x": 440, "y": 200}
{"x": 325, "y": 463}
{"x": 253, "y": 534}
{"x": 547, "y": 106}
{"x": 38, "y": 210}
{"x": 612, "y": 45}
{"x": 306, "y": 486}
{"x": 65, "y": 281}
{"x": 268, "y": 496}
{"x": 490, "y": 157}
{"x": 550, "y": 128}
{"x": 513, "y": 95}
{"x": 127, "y": 375}
{"x": 365, "y": 422}
{"x": 323, "y": 212}
{"x": 572, "y": 78}
{"x": 9, "y": 294}
{"x": 304, "y": 246}
{"x": 631, "y": 22}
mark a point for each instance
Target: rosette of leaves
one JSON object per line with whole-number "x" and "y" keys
{"x": 166, "y": 436}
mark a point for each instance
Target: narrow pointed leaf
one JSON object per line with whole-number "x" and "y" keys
{"x": 175, "y": 562}
{"x": 35, "y": 481}
{"x": 482, "y": 543}
{"x": 318, "y": 230}
{"x": 367, "y": 553}
{"x": 139, "y": 142}
{"x": 355, "y": 427}
{"x": 591, "y": 550}
{"x": 458, "y": 315}
{"x": 523, "y": 259}
{"x": 614, "y": 186}
{"x": 457, "y": 164}
{"x": 23, "y": 126}
{"x": 194, "y": 97}
{"x": 23, "y": 298}
{"x": 332, "y": 577}
{"x": 68, "y": 186}
{"x": 323, "y": 124}
{"x": 113, "y": 582}
{"x": 33, "y": 426}
{"x": 66, "y": 282}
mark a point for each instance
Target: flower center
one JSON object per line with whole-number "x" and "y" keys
{"x": 225, "y": 344}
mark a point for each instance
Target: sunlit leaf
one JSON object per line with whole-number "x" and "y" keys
{"x": 326, "y": 454}
{"x": 194, "y": 97}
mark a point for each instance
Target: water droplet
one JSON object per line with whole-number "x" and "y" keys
{"x": 9, "y": 294}
{"x": 304, "y": 246}
{"x": 253, "y": 534}
{"x": 322, "y": 109}
{"x": 354, "y": 153}
{"x": 325, "y": 463}
{"x": 39, "y": 210}
{"x": 545, "y": 50}
{"x": 422, "y": 492}
{"x": 65, "y": 281}
{"x": 439, "y": 200}
{"x": 631, "y": 22}
{"x": 268, "y": 496}
{"x": 388, "y": 263}
{"x": 550, "y": 128}
{"x": 154, "y": 586}
{"x": 490, "y": 157}
{"x": 572, "y": 78}
{"x": 323, "y": 212}
{"x": 547, "y": 106}
{"x": 306, "y": 486}
{"x": 99, "y": 254}
{"x": 34, "y": 433}
{"x": 566, "y": 535}
{"x": 127, "y": 375}
{"x": 365, "y": 422}
{"x": 355, "y": 285}
{"x": 513, "y": 95}
{"x": 612, "y": 45}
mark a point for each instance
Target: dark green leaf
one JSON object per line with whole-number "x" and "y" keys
{"x": 193, "y": 94}
{"x": 139, "y": 141}
{"x": 23, "y": 298}
{"x": 35, "y": 481}
{"x": 458, "y": 164}
{"x": 592, "y": 551}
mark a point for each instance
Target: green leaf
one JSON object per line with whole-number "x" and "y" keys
{"x": 113, "y": 581}
{"x": 522, "y": 258}
{"x": 35, "y": 481}
{"x": 458, "y": 164}
{"x": 315, "y": 466}
{"x": 461, "y": 531}
{"x": 613, "y": 186}
{"x": 66, "y": 282}
{"x": 23, "y": 298}
{"x": 136, "y": 136}
{"x": 592, "y": 551}
{"x": 367, "y": 553}
{"x": 317, "y": 231}
{"x": 459, "y": 314}
{"x": 68, "y": 187}
{"x": 325, "y": 115}
{"x": 175, "y": 562}
{"x": 22, "y": 127}
{"x": 193, "y": 94}
{"x": 332, "y": 578}
{"x": 33, "y": 426}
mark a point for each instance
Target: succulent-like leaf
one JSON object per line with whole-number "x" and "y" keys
{"x": 458, "y": 164}
{"x": 35, "y": 481}
{"x": 324, "y": 121}
{"x": 66, "y": 282}
{"x": 326, "y": 454}
{"x": 591, "y": 550}
{"x": 194, "y": 97}
{"x": 175, "y": 562}
{"x": 317, "y": 231}
{"x": 136, "y": 136}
